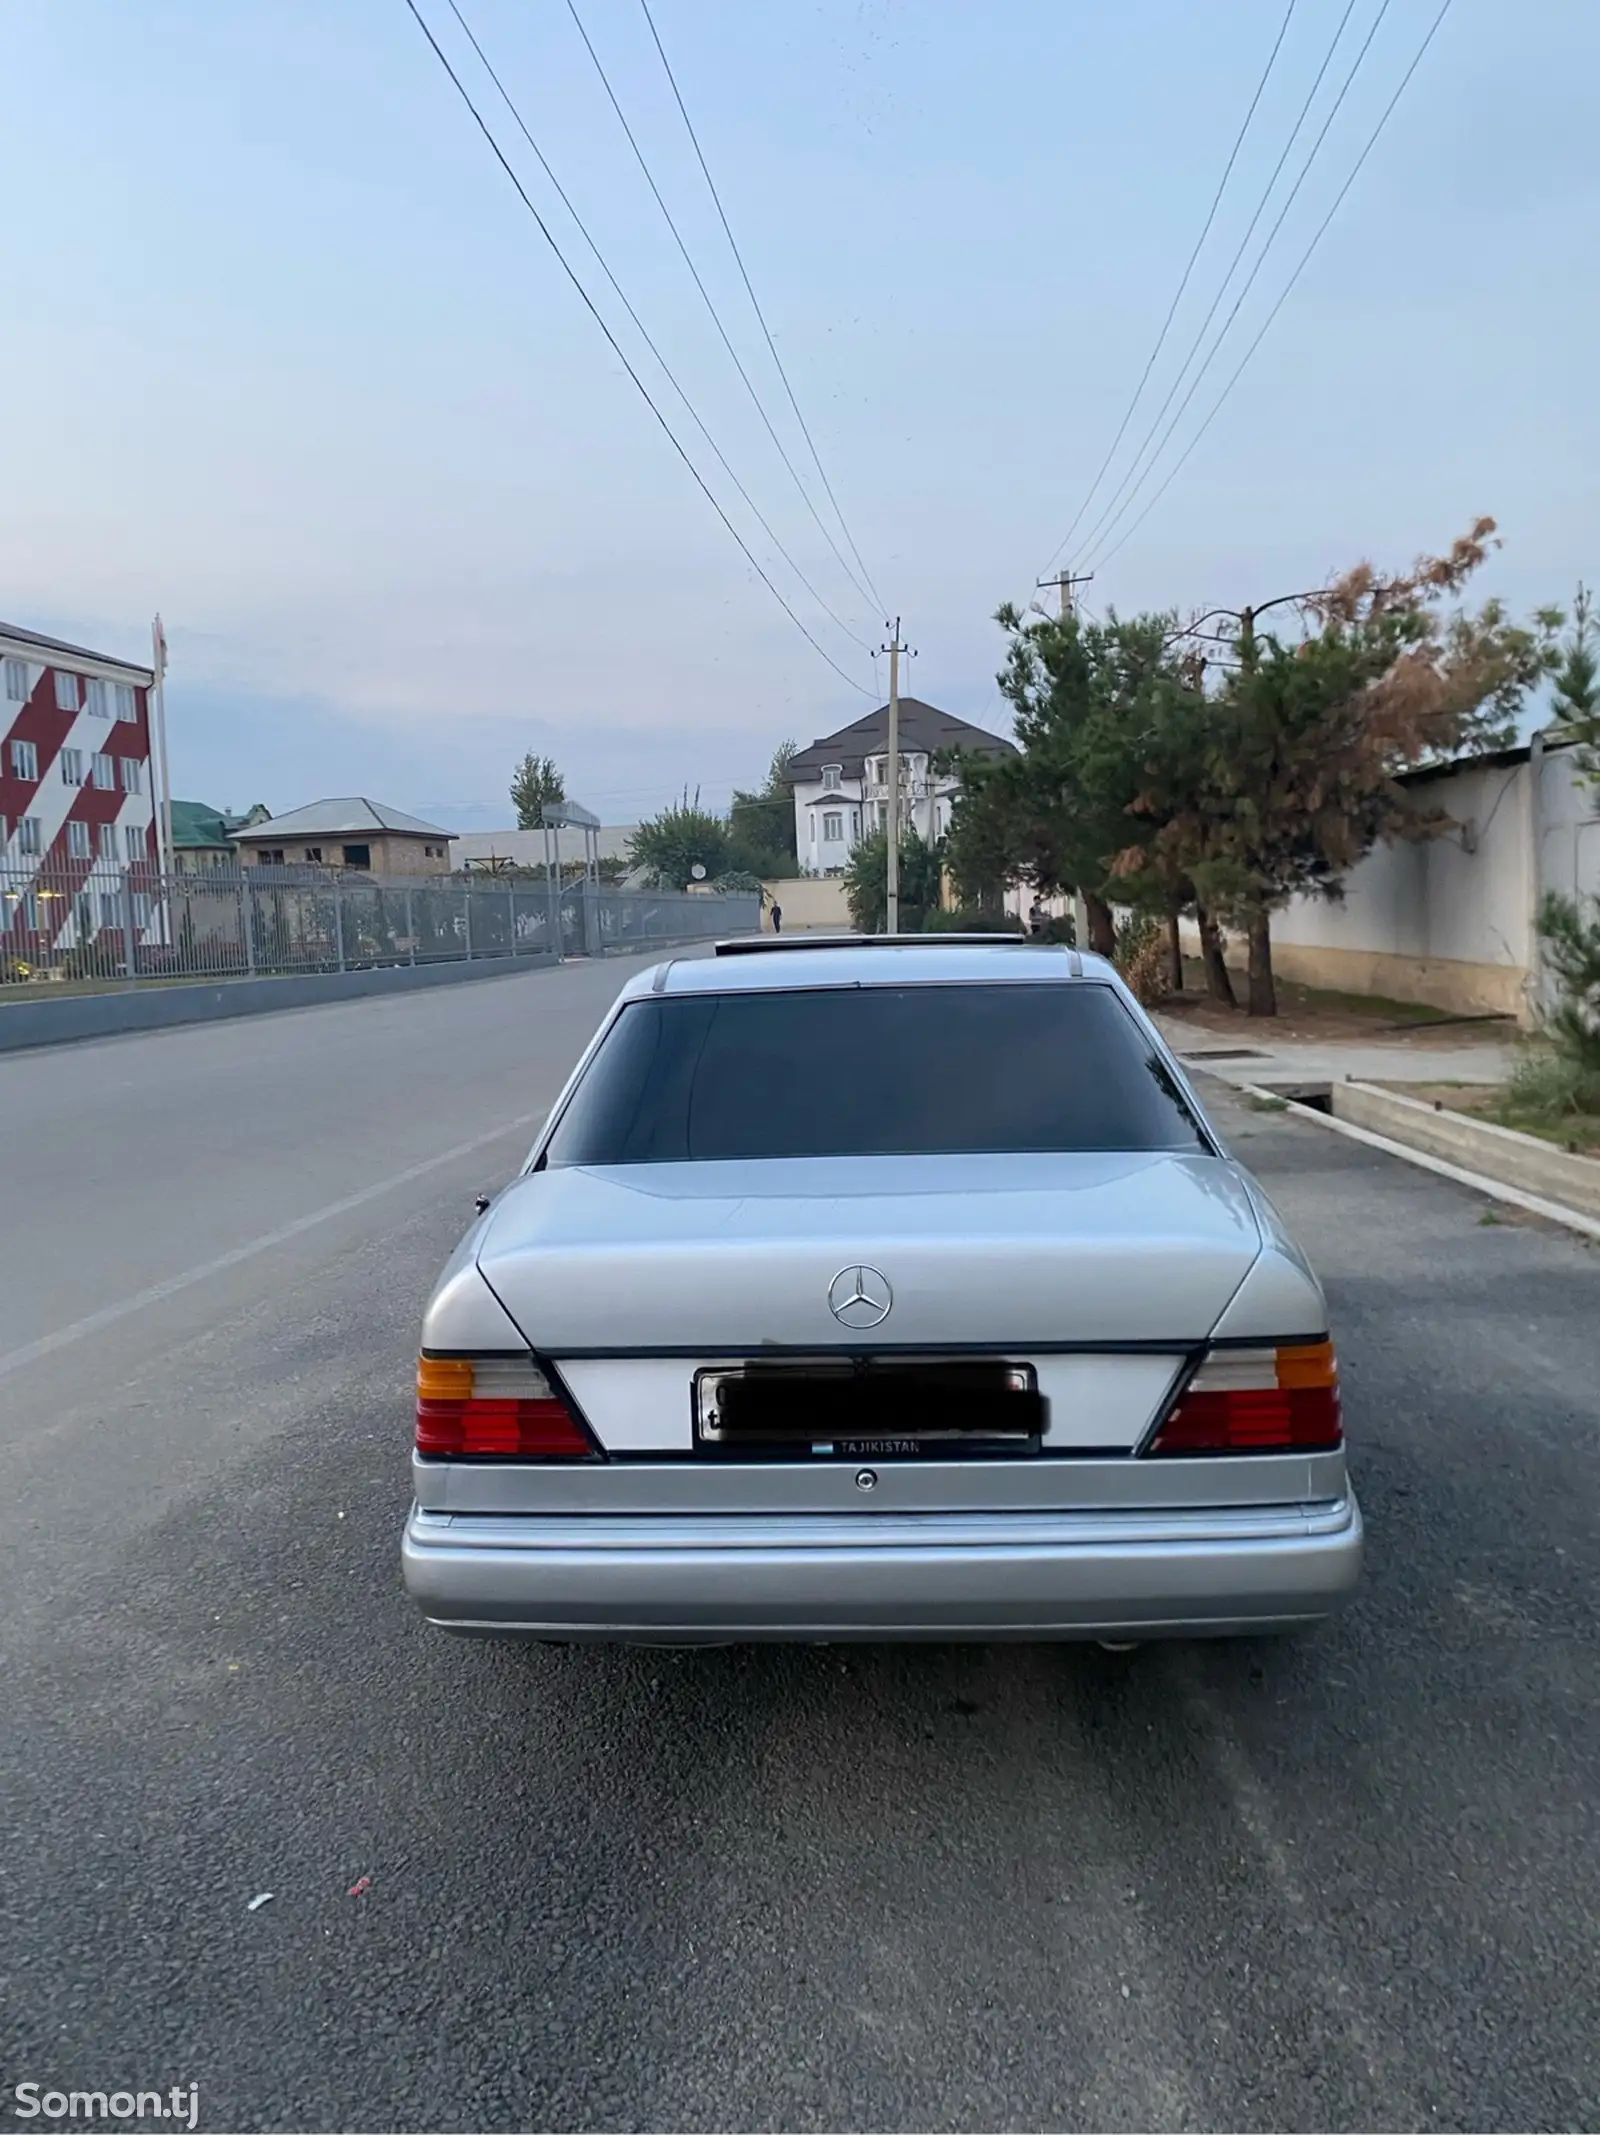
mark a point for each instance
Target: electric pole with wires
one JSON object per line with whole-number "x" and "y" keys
{"x": 1065, "y": 581}
{"x": 891, "y": 809}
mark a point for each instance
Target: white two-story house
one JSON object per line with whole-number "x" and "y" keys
{"x": 841, "y": 782}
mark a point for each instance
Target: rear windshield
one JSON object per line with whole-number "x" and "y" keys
{"x": 923, "y": 1070}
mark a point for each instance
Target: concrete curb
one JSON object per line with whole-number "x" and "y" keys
{"x": 1480, "y": 1145}
{"x": 1493, "y": 1189}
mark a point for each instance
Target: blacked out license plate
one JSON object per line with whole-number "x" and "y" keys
{"x": 870, "y": 1411}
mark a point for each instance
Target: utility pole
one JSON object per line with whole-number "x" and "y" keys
{"x": 1065, "y": 581}
{"x": 166, "y": 862}
{"x": 891, "y": 822}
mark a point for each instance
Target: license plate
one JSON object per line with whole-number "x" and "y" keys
{"x": 862, "y": 1411}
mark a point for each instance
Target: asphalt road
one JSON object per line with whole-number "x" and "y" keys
{"x": 1350, "y": 1881}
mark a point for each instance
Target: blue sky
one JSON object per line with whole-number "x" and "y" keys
{"x": 286, "y": 358}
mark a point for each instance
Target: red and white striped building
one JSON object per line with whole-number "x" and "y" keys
{"x": 78, "y": 803}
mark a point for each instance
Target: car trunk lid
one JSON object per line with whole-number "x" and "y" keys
{"x": 969, "y": 1252}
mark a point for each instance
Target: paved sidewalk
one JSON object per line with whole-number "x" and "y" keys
{"x": 1432, "y": 1054}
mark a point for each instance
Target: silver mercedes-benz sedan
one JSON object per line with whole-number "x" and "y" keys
{"x": 866, "y": 1289}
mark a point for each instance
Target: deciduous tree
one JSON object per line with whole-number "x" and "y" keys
{"x": 535, "y": 782}
{"x": 866, "y": 883}
{"x": 761, "y": 824}
{"x": 1306, "y": 735}
{"x": 672, "y": 844}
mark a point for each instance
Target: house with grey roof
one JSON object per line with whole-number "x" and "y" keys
{"x": 841, "y": 788}
{"x": 359, "y": 834}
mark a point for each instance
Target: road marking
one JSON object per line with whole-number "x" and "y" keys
{"x": 109, "y": 1315}
{"x": 1496, "y": 1189}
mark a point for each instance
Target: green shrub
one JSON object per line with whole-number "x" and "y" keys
{"x": 1571, "y": 935}
{"x": 1549, "y": 1084}
{"x": 1141, "y": 957}
{"x": 970, "y": 922}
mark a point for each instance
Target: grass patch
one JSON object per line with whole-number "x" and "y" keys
{"x": 1554, "y": 1096}
{"x": 1377, "y": 1005}
{"x": 1329, "y": 1000}
{"x": 1546, "y": 1096}
{"x": 1268, "y": 1104}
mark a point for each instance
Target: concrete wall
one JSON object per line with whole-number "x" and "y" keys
{"x": 526, "y": 848}
{"x": 25, "y": 1024}
{"x": 1448, "y": 920}
{"x": 810, "y": 902}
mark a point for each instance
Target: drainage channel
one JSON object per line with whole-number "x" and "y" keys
{"x": 1316, "y": 1096}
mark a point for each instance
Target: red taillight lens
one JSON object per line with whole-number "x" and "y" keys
{"x": 489, "y": 1405}
{"x": 1282, "y": 1400}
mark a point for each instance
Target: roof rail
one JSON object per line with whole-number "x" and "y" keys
{"x": 767, "y": 944}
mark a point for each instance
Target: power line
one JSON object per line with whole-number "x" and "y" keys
{"x": 617, "y": 348}
{"x": 1222, "y": 287}
{"x": 1166, "y": 324}
{"x": 600, "y": 261}
{"x": 1299, "y": 270}
{"x": 1106, "y": 525}
{"x": 716, "y": 316}
{"x": 755, "y": 306}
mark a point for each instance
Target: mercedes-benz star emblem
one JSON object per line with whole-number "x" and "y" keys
{"x": 860, "y": 1297}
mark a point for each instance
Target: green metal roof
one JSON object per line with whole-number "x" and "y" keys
{"x": 197, "y": 826}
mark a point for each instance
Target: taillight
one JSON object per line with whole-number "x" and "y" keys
{"x": 502, "y": 1405}
{"x": 1282, "y": 1400}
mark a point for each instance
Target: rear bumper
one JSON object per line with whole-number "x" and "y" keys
{"x": 940, "y": 1576}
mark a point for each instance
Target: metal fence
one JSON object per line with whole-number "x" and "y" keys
{"x": 101, "y": 922}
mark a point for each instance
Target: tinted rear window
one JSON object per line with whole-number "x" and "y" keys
{"x": 872, "y": 1071}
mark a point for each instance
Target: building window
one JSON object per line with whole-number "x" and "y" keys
{"x": 105, "y": 774}
{"x": 108, "y": 841}
{"x": 132, "y": 774}
{"x": 313, "y": 856}
{"x": 127, "y": 704}
{"x": 78, "y": 847}
{"x": 831, "y": 774}
{"x": 855, "y": 822}
{"x": 832, "y": 827}
{"x": 24, "y": 761}
{"x": 134, "y": 843}
{"x": 83, "y": 909}
{"x": 141, "y": 908}
{"x": 17, "y": 681}
{"x": 270, "y": 856}
{"x": 28, "y": 842}
{"x": 66, "y": 692}
{"x": 99, "y": 704}
{"x": 72, "y": 767}
{"x": 110, "y": 909}
{"x": 358, "y": 856}
{"x": 28, "y": 912}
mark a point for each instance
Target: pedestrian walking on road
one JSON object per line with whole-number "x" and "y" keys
{"x": 1036, "y": 918}
{"x": 777, "y": 917}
